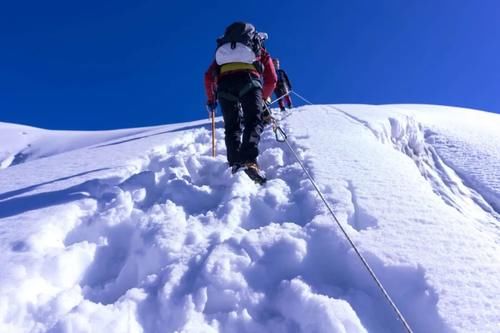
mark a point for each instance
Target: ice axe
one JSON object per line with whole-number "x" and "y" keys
{"x": 211, "y": 112}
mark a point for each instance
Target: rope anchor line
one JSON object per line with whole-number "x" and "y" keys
{"x": 276, "y": 129}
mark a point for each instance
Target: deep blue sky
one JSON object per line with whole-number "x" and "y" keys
{"x": 123, "y": 63}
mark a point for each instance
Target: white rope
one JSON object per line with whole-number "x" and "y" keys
{"x": 302, "y": 98}
{"x": 363, "y": 260}
{"x": 281, "y": 97}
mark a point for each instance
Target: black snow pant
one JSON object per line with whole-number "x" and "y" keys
{"x": 281, "y": 90}
{"x": 240, "y": 98}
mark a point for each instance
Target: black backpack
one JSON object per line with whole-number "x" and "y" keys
{"x": 244, "y": 33}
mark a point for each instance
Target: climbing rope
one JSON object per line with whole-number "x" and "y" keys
{"x": 283, "y": 138}
{"x": 278, "y": 131}
{"x": 302, "y": 98}
{"x": 279, "y": 98}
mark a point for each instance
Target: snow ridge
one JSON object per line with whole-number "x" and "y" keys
{"x": 24, "y": 143}
{"x": 411, "y": 138}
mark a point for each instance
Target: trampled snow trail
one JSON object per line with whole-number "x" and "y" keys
{"x": 172, "y": 242}
{"x": 220, "y": 246}
{"x": 183, "y": 245}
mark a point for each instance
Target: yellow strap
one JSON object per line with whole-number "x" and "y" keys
{"x": 236, "y": 66}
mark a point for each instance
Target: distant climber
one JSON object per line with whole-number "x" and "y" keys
{"x": 283, "y": 87}
{"x": 241, "y": 77}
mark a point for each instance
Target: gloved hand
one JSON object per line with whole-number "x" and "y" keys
{"x": 211, "y": 106}
{"x": 266, "y": 104}
{"x": 266, "y": 117}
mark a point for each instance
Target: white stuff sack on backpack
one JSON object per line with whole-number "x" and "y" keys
{"x": 240, "y": 53}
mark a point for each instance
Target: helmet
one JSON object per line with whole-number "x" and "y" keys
{"x": 263, "y": 35}
{"x": 241, "y": 27}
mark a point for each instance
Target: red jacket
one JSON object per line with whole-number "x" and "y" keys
{"x": 268, "y": 75}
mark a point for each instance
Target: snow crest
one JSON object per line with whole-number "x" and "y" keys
{"x": 416, "y": 141}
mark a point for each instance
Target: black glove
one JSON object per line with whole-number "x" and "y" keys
{"x": 266, "y": 117}
{"x": 211, "y": 106}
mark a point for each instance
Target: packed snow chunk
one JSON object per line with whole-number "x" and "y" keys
{"x": 270, "y": 204}
{"x": 65, "y": 268}
{"x": 223, "y": 268}
{"x": 223, "y": 271}
{"x": 272, "y": 158}
{"x": 88, "y": 317}
{"x": 139, "y": 184}
{"x": 6, "y": 159}
{"x": 243, "y": 322}
{"x": 171, "y": 306}
{"x": 277, "y": 252}
{"x": 407, "y": 135}
{"x": 314, "y": 312}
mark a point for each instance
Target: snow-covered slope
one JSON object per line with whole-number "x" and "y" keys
{"x": 142, "y": 231}
{"x": 22, "y": 143}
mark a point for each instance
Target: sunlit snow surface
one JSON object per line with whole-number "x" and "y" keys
{"x": 141, "y": 230}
